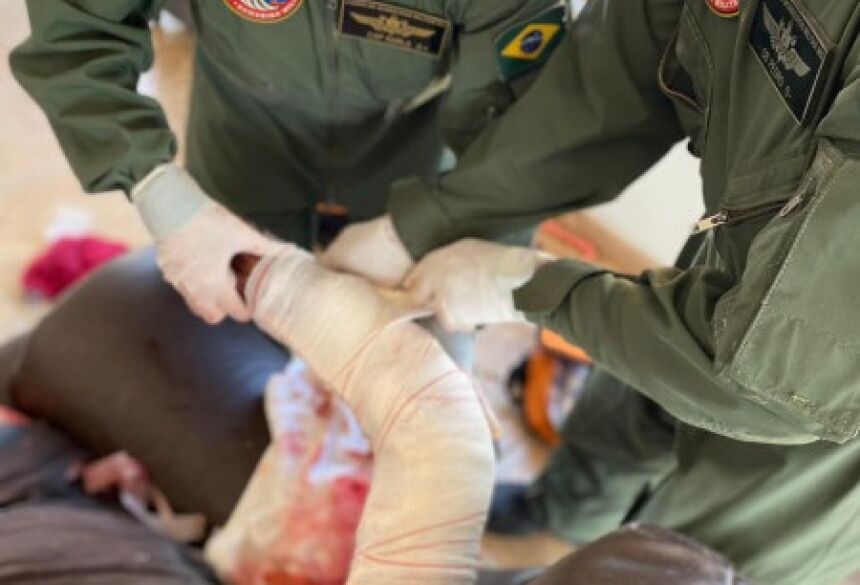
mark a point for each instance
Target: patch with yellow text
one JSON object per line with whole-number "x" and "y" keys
{"x": 395, "y": 26}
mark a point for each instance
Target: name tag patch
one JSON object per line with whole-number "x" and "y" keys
{"x": 793, "y": 53}
{"x": 403, "y": 28}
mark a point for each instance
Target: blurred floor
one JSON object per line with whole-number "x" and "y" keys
{"x": 38, "y": 192}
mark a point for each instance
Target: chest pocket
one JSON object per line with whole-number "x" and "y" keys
{"x": 686, "y": 77}
{"x": 276, "y": 61}
{"x": 392, "y": 51}
{"x": 388, "y": 73}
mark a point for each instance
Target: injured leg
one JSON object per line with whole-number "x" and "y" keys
{"x": 433, "y": 469}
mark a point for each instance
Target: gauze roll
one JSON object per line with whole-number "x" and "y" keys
{"x": 433, "y": 467}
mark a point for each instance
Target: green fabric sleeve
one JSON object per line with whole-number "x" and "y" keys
{"x": 479, "y": 91}
{"x": 657, "y": 332}
{"x": 81, "y": 64}
{"x": 592, "y": 121}
{"x": 654, "y": 333}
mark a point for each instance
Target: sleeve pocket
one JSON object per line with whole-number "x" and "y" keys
{"x": 789, "y": 332}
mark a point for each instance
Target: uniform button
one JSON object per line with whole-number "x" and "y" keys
{"x": 491, "y": 112}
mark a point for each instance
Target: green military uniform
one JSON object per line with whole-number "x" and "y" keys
{"x": 751, "y": 344}
{"x": 295, "y": 102}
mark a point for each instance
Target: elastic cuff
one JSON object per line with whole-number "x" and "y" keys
{"x": 140, "y": 186}
{"x": 550, "y": 285}
{"x": 167, "y": 198}
{"x": 420, "y": 224}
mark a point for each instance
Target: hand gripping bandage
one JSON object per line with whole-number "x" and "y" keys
{"x": 433, "y": 455}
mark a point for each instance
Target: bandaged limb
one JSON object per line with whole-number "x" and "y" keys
{"x": 433, "y": 468}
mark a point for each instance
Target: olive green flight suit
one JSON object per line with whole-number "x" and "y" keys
{"x": 752, "y": 343}
{"x": 318, "y": 106}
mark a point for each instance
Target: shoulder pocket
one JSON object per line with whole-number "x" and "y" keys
{"x": 686, "y": 77}
{"x": 789, "y": 332}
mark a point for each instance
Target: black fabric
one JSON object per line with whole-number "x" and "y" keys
{"x": 644, "y": 555}
{"x": 36, "y": 462}
{"x": 78, "y": 543}
{"x": 632, "y": 555}
{"x": 511, "y": 512}
{"x": 51, "y": 533}
{"x": 121, "y": 364}
{"x": 11, "y": 355}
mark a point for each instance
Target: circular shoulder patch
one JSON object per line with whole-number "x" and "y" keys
{"x": 725, "y": 8}
{"x": 264, "y": 10}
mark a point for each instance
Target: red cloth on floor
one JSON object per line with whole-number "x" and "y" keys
{"x": 67, "y": 261}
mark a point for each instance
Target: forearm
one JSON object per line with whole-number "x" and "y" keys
{"x": 81, "y": 64}
{"x": 593, "y": 120}
{"x": 656, "y": 333}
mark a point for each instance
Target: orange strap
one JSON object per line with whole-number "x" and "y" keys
{"x": 540, "y": 377}
{"x": 555, "y": 343}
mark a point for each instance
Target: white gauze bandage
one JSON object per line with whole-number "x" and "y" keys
{"x": 433, "y": 456}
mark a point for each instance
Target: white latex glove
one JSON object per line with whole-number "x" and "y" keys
{"x": 471, "y": 282}
{"x": 195, "y": 240}
{"x": 371, "y": 249}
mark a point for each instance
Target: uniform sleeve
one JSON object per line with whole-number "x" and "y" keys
{"x": 81, "y": 64}
{"x": 791, "y": 376}
{"x": 655, "y": 333}
{"x": 592, "y": 121}
{"x": 482, "y": 88}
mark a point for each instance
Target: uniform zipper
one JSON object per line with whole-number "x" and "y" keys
{"x": 333, "y": 9}
{"x": 730, "y": 216}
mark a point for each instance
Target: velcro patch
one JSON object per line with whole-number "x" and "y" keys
{"x": 403, "y": 28}
{"x": 794, "y": 54}
{"x": 527, "y": 45}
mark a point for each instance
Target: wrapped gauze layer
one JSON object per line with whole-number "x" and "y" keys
{"x": 433, "y": 456}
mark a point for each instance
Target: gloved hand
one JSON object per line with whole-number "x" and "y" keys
{"x": 371, "y": 249}
{"x": 471, "y": 282}
{"x": 195, "y": 239}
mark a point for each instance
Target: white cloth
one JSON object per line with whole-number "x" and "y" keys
{"x": 371, "y": 249}
{"x": 195, "y": 241}
{"x": 297, "y": 519}
{"x": 471, "y": 282}
{"x": 433, "y": 454}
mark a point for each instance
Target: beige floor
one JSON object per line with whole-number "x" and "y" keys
{"x": 38, "y": 192}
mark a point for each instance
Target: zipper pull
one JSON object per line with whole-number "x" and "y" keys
{"x": 710, "y": 222}
{"x": 792, "y": 204}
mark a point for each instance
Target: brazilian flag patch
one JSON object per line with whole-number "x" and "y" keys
{"x": 527, "y": 45}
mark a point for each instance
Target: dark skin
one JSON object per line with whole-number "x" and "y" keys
{"x": 243, "y": 265}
